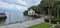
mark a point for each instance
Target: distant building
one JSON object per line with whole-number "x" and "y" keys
{"x": 31, "y": 12}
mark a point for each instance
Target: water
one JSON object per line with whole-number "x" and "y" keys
{"x": 15, "y": 16}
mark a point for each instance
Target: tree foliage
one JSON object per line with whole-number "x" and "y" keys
{"x": 52, "y": 5}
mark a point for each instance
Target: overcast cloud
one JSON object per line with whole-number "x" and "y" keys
{"x": 18, "y": 4}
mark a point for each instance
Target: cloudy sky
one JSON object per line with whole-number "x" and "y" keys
{"x": 18, "y": 4}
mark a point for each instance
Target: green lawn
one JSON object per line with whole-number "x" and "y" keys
{"x": 41, "y": 25}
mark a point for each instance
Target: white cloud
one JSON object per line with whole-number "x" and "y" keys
{"x": 18, "y": 4}
{"x": 10, "y": 6}
{"x": 23, "y": 2}
{"x": 32, "y": 2}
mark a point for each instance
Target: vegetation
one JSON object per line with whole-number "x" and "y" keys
{"x": 47, "y": 7}
{"x": 57, "y": 26}
{"x": 41, "y": 25}
{"x": 3, "y": 24}
{"x": 53, "y": 20}
{"x": 52, "y": 5}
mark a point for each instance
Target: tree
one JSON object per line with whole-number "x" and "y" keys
{"x": 49, "y": 7}
{"x": 35, "y": 8}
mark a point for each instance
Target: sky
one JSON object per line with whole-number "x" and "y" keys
{"x": 17, "y": 4}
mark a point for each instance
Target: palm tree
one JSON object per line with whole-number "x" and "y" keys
{"x": 58, "y": 16}
{"x": 49, "y": 13}
{"x": 57, "y": 7}
{"x": 50, "y": 6}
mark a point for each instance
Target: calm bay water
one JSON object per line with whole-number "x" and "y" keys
{"x": 15, "y": 16}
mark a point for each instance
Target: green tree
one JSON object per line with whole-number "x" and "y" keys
{"x": 49, "y": 7}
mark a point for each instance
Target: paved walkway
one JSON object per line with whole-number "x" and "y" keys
{"x": 24, "y": 24}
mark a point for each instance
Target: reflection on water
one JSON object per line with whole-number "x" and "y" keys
{"x": 15, "y": 16}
